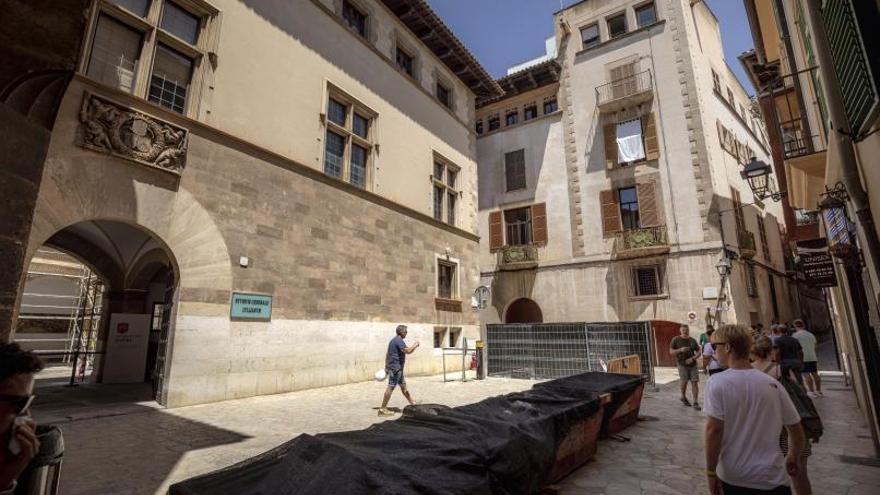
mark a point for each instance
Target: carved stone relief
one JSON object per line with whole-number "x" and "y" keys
{"x": 109, "y": 127}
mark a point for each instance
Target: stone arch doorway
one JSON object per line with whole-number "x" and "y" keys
{"x": 523, "y": 310}
{"x": 123, "y": 317}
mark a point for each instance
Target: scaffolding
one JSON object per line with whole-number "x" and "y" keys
{"x": 81, "y": 310}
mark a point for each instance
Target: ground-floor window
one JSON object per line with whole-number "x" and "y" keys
{"x": 647, "y": 280}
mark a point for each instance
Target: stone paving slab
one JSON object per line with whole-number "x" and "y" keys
{"x": 144, "y": 449}
{"x": 665, "y": 454}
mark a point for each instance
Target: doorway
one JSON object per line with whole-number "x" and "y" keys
{"x": 110, "y": 287}
{"x": 523, "y": 310}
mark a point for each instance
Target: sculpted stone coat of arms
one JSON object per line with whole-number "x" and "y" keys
{"x": 109, "y": 127}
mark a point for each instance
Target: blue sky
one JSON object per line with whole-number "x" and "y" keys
{"x": 503, "y": 33}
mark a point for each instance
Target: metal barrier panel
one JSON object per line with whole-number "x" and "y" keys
{"x": 511, "y": 351}
{"x": 555, "y": 350}
{"x": 559, "y": 349}
{"x": 607, "y": 341}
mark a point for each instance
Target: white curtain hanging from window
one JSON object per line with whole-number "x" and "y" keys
{"x": 630, "y": 147}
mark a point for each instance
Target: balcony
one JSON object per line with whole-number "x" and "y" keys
{"x": 517, "y": 257}
{"x": 747, "y": 246}
{"x": 625, "y": 92}
{"x": 636, "y": 243}
{"x": 796, "y": 147}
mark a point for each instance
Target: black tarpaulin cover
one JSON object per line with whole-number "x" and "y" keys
{"x": 501, "y": 445}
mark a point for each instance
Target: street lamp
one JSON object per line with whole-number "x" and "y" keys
{"x": 757, "y": 174}
{"x": 723, "y": 266}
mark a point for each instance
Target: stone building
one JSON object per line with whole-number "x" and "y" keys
{"x": 609, "y": 175}
{"x": 274, "y": 185}
{"x": 817, "y": 74}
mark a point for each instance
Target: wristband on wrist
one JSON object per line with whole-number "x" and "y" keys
{"x": 710, "y": 473}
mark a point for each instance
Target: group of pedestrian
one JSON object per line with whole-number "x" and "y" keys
{"x": 753, "y": 436}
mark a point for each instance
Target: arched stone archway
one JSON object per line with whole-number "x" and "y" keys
{"x": 523, "y": 310}
{"x": 122, "y": 327}
{"x": 89, "y": 188}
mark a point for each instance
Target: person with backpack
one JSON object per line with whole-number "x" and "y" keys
{"x": 745, "y": 410}
{"x": 762, "y": 354}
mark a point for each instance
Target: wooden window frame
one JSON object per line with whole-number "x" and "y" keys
{"x": 352, "y": 107}
{"x": 550, "y": 100}
{"x": 456, "y": 278}
{"x": 598, "y": 40}
{"x": 152, "y": 35}
{"x": 442, "y": 84}
{"x": 444, "y": 336}
{"x": 446, "y": 188}
{"x": 525, "y": 179}
{"x": 357, "y": 7}
{"x": 615, "y": 16}
{"x": 644, "y": 6}
{"x": 526, "y": 108}
{"x": 659, "y": 268}
{"x": 529, "y": 224}
{"x": 751, "y": 280}
{"x": 511, "y": 115}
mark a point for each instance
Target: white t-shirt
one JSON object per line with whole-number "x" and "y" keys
{"x": 754, "y": 408}
{"x": 808, "y": 344}
{"x": 709, "y": 354}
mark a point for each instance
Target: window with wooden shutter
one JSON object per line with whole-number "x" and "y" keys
{"x": 610, "y": 212}
{"x": 649, "y": 129}
{"x": 539, "y": 223}
{"x": 496, "y": 230}
{"x": 737, "y": 210}
{"x": 515, "y": 170}
{"x": 623, "y": 80}
{"x": 610, "y": 132}
{"x": 649, "y": 207}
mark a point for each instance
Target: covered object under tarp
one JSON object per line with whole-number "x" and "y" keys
{"x": 511, "y": 444}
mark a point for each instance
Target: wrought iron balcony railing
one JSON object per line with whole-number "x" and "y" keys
{"x": 802, "y": 146}
{"x": 517, "y": 257}
{"x": 642, "y": 242}
{"x": 625, "y": 89}
{"x": 747, "y": 247}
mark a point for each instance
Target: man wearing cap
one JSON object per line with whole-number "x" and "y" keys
{"x": 395, "y": 358}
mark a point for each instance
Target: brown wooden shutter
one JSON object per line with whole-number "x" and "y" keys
{"x": 496, "y": 230}
{"x": 610, "y": 212}
{"x": 652, "y": 150}
{"x": 539, "y": 223}
{"x": 649, "y": 209}
{"x": 610, "y": 131}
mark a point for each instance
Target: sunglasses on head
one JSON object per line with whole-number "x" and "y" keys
{"x": 716, "y": 344}
{"x": 19, "y": 403}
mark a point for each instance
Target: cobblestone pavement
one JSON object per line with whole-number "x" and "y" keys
{"x": 139, "y": 449}
{"x": 666, "y": 455}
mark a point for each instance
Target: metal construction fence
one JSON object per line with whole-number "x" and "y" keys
{"x": 554, "y": 350}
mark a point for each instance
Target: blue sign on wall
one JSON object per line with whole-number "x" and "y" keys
{"x": 251, "y": 306}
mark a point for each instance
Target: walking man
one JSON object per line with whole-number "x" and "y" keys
{"x": 686, "y": 350}
{"x": 808, "y": 348}
{"x": 395, "y": 358}
{"x": 745, "y": 411}
{"x": 788, "y": 354}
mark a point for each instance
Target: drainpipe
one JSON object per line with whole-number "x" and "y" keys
{"x": 841, "y": 133}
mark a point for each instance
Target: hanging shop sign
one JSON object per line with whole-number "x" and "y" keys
{"x": 251, "y": 306}
{"x": 840, "y": 232}
{"x": 816, "y": 263}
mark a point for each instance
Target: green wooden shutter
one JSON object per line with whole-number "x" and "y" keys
{"x": 856, "y": 73}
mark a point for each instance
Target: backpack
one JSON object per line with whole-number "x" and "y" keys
{"x": 810, "y": 420}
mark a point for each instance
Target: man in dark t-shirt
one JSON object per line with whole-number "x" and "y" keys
{"x": 789, "y": 355}
{"x": 395, "y": 359}
{"x": 686, "y": 349}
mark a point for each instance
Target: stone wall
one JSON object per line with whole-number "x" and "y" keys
{"x": 344, "y": 266}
